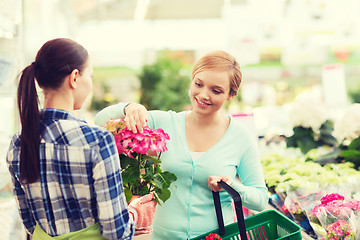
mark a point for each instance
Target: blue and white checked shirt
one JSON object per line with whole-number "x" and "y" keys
{"x": 80, "y": 179}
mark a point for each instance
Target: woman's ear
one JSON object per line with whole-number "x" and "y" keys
{"x": 72, "y": 78}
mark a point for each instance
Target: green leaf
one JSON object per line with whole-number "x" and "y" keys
{"x": 149, "y": 173}
{"x": 164, "y": 194}
{"x": 131, "y": 174}
{"x": 302, "y": 138}
{"x": 306, "y": 145}
{"x": 151, "y": 158}
{"x": 350, "y": 154}
{"x": 355, "y": 144}
{"x": 128, "y": 194}
{"x": 157, "y": 169}
{"x": 353, "y": 156}
{"x": 164, "y": 179}
{"x": 126, "y": 161}
{"x": 291, "y": 142}
{"x": 143, "y": 190}
{"x": 331, "y": 157}
{"x": 157, "y": 198}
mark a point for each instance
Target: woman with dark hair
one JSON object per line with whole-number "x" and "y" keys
{"x": 66, "y": 173}
{"x": 206, "y": 146}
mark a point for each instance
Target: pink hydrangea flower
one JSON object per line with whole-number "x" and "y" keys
{"x": 317, "y": 210}
{"x": 331, "y": 197}
{"x": 339, "y": 208}
{"x": 354, "y": 205}
{"x": 339, "y": 230}
{"x": 129, "y": 143}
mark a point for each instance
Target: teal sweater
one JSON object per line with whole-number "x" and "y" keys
{"x": 190, "y": 210}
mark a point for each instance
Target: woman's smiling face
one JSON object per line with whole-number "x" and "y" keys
{"x": 209, "y": 90}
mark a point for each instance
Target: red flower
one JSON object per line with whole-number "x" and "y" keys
{"x": 213, "y": 236}
{"x": 331, "y": 197}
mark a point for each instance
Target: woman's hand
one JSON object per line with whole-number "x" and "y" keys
{"x": 145, "y": 210}
{"x": 135, "y": 117}
{"x": 214, "y": 180}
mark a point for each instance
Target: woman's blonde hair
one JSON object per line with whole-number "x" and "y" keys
{"x": 220, "y": 61}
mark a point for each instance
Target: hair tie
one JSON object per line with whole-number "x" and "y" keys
{"x": 36, "y": 65}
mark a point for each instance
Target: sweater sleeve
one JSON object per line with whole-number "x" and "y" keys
{"x": 252, "y": 186}
{"x": 113, "y": 111}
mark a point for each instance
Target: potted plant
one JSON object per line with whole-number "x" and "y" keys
{"x": 140, "y": 167}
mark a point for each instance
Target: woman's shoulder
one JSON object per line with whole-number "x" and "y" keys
{"x": 159, "y": 116}
{"x": 77, "y": 131}
{"x": 240, "y": 128}
{"x": 97, "y": 131}
{"x": 15, "y": 140}
{"x": 163, "y": 113}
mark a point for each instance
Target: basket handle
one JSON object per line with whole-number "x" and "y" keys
{"x": 238, "y": 209}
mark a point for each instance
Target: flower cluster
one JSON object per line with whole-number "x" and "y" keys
{"x": 331, "y": 197}
{"x": 334, "y": 214}
{"x": 212, "y": 236}
{"x": 339, "y": 230}
{"x": 295, "y": 208}
{"x": 115, "y": 125}
{"x": 140, "y": 162}
{"x": 151, "y": 139}
{"x": 348, "y": 126}
{"x": 308, "y": 111}
{"x": 129, "y": 143}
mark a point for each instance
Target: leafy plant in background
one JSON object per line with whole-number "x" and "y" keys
{"x": 353, "y": 90}
{"x": 164, "y": 84}
{"x": 351, "y": 153}
{"x": 141, "y": 172}
{"x": 306, "y": 139}
{"x": 347, "y": 133}
{"x": 311, "y": 128}
{"x": 112, "y": 85}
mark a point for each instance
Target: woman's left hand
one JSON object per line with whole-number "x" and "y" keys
{"x": 213, "y": 182}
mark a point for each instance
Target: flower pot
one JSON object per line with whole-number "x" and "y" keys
{"x": 133, "y": 198}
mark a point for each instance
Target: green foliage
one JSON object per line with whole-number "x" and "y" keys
{"x": 352, "y": 153}
{"x": 326, "y": 137}
{"x": 341, "y": 153}
{"x": 302, "y": 138}
{"x": 164, "y": 84}
{"x": 111, "y": 86}
{"x": 306, "y": 139}
{"x": 145, "y": 176}
{"x": 354, "y": 94}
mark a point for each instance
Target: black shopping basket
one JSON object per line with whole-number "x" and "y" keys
{"x": 266, "y": 225}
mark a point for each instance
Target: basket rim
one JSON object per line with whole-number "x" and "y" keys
{"x": 253, "y": 222}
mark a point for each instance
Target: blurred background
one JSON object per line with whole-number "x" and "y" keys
{"x": 143, "y": 50}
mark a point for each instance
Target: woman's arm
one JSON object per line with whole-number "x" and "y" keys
{"x": 19, "y": 194}
{"x": 252, "y": 187}
{"x": 114, "y": 218}
{"x": 135, "y": 115}
{"x": 110, "y": 112}
{"x": 23, "y": 208}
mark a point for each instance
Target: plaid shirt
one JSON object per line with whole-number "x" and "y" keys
{"x": 80, "y": 182}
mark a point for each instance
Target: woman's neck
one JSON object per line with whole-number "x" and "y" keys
{"x": 206, "y": 120}
{"x": 58, "y": 100}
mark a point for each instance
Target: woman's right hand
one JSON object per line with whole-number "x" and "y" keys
{"x": 135, "y": 117}
{"x": 145, "y": 208}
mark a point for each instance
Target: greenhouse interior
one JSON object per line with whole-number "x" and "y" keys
{"x": 299, "y": 96}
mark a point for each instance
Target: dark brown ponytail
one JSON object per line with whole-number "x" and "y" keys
{"x": 55, "y": 60}
{"x": 30, "y": 122}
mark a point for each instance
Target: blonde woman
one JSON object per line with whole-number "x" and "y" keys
{"x": 205, "y": 146}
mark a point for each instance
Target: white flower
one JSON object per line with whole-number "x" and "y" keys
{"x": 308, "y": 111}
{"x": 348, "y": 126}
